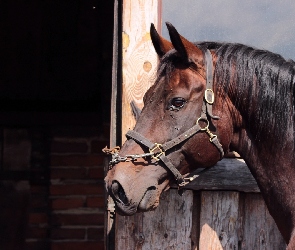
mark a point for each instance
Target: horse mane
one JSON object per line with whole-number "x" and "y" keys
{"x": 261, "y": 86}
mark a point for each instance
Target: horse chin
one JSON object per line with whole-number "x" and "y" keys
{"x": 126, "y": 210}
{"x": 149, "y": 201}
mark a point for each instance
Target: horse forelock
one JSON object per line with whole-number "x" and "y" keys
{"x": 168, "y": 62}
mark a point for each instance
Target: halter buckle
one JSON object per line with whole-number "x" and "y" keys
{"x": 156, "y": 155}
{"x": 209, "y": 96}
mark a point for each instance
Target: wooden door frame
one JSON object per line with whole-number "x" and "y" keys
{"x": 124, "y": 47}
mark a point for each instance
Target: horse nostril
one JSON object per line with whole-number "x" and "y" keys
{"x": 119, "y": 192}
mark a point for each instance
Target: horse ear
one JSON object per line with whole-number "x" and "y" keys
{"x": 184, "y": 47}
{"x": 161, "y": 45}
{"x": 135, "y": 110}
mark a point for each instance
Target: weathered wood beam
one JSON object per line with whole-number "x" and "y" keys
{"x": 228, "y": 174}
{"x": 168, "y": 227}
{"x": 139, "y": 57}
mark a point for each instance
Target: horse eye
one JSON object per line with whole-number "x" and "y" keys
{"x": 177, "y": 103}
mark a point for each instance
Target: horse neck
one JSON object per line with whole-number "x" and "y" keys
{"x": 273, "y": 167}
{"x": 264, "y": 137}
{"x": 274, "y": 174}
{"x": 260, "y": 86}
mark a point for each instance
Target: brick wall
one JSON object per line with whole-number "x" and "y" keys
{"x": 69, "y": 212}
{"x": 38, "y": 229}
{"x": 77, "y": 189}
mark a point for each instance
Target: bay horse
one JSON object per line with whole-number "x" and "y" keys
{"x": 210, "y": 98}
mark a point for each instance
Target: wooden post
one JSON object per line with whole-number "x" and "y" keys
{"x": 110, "y": 215}
{"x": 138, "y": 66}
{"x": 139, "y": 63}
{"x": 139, "y": 57}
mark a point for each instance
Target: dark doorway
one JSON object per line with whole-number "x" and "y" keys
{"x": 55, "y": 85}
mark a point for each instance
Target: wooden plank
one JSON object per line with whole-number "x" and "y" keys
{"x": 129, "y": 232}
{"x": 114, "y": 131}
{"x": 168, "y": 227}
{"x": 228, "y": 174}
{"x": 219, "y": 220}
{"x": 139, "y": 61}
{"x": 109, "y": 229}
{"x": 195, "y": 236}
{"x": 139, "y": 57}
{"x": 232, "y": 220}
{"x": 259, "y": 230}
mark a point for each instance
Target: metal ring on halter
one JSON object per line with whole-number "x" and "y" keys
{"x": 206, "y": 121}
{"x": 212, "y": 96}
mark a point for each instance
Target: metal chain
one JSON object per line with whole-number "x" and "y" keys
{"x": 110, "y": 151}
{"x": 116, "y": 158}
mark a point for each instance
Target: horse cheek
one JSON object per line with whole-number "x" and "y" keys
{"x": 201, "y": 152}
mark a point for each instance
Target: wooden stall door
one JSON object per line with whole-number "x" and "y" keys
{"x": 201, "y": 219}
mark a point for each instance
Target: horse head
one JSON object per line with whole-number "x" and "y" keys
{"x": 181, "y": 127}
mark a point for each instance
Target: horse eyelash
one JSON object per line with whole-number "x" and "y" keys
{"x": 171, "y": 107}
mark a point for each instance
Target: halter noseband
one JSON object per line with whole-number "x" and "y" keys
{"x": 157, "y": 151}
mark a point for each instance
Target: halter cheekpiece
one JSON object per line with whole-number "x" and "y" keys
{"x": 157, "y": 151}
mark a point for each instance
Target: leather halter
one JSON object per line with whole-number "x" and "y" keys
{"x": 157, "y": 151}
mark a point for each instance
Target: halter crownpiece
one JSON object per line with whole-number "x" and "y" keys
{"x": 157, "y": 151}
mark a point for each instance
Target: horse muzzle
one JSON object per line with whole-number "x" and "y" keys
{"x": 135, "y": 191}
